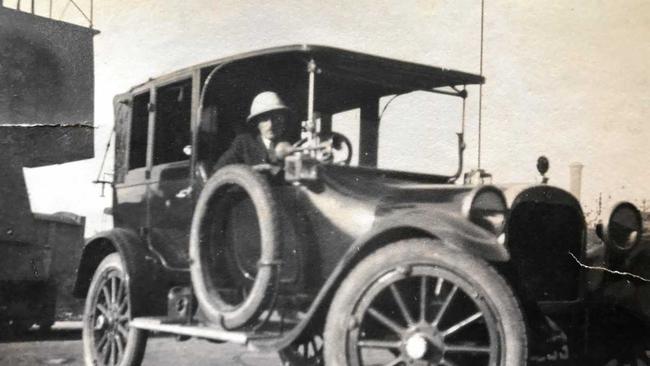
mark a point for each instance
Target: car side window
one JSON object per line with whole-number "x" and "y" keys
{"x": 138, "y": 135}
{"x": 347, "y": 123}
{"x": 173, "y": 118}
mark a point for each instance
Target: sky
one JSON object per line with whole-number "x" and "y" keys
{"x": 566, "y": 79}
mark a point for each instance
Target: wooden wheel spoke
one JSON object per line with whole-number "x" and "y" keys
{"x": 109, "y": 351}
{"x": 439, "y": 286}
{"x": 103, "y": 341}
{"x": 467, "y": 349}
{"x": 114, "y": 354}
{"x": 315, "y": 347}
{"x": 120, "y": 348}
{"x": 465, "y": 322}
{"x": 107, "y": 295}
{"x": 123, "y": 331}
{"x": 120, "y": 292}
{"x": 395, "y": 361}
{"x": 423, "y": 298}
{"x": 113, "y": 290}
{"x": 308, "y": 350}
{"x": 102, "y": 309}
{"x": 123, "y": 308}
{"x": 387, "y": 322}
{"x": 446, "y": 362}
{"x": 375, "y": 343}
{"x": 402, "y": 306}
{"x": 445, "y": 305}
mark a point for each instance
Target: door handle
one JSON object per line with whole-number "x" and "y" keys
{"x": 184, "y": 193}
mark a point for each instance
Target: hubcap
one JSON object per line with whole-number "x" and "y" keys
{"x": 416, "y": 347}
{"x": 100, "y": 323}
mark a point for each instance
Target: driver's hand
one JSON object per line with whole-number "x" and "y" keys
{"x": 273, "y": 169}
{"x": 261, "y": 167}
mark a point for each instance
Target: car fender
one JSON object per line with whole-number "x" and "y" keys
{"x": 142, "y": 270}
{"x": 449, "y": 229}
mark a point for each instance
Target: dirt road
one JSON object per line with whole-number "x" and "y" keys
{"x": 63, "y": 347}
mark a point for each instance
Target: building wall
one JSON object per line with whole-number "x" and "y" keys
{"x": 47, "y": 78}
{"x": 46, "y": 107}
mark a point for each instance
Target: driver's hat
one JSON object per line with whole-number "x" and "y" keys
{"x": 265, "y": 102}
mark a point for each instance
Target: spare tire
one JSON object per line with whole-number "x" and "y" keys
{"x": 211, "y": 255}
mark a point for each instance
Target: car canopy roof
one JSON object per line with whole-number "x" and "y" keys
{"x": 386, "y": 71}
{"x": 392, "y": 74}
{"x": 345, "y": 79}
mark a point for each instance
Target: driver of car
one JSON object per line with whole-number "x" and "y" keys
{"x": 266, "y": 127}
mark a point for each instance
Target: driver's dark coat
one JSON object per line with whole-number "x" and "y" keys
{"x": 245, "y": 149}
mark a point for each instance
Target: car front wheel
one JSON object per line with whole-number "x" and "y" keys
{"x": 107, "y": 338}
{"x": 418, "y": 302}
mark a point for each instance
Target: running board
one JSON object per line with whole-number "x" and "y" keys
{"x": 156, "y": 324}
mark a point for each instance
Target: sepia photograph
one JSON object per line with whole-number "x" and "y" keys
{"x": 325, "y": 183}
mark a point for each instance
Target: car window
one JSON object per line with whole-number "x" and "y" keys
{"x": 173, "y": 116}
{"x": 139, "y": 126}
{"x": 422, "y": 126}
{"x": 347, "y": 123}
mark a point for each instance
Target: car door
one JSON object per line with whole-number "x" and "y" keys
{"x": 170, "y": 203}
{"x": 130, "y": 183}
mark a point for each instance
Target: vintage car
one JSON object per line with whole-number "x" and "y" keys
{"x": 348, "y": 249}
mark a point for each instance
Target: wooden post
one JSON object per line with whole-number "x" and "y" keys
{"x": 369, "y": 133}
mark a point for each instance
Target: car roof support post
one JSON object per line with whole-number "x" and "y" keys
{"x": 461, "y": 139}
{"x": 369, "y": 132}
{"x": 310, "y": 125}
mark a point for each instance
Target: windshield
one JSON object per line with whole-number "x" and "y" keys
{"x": 417, "y": 132}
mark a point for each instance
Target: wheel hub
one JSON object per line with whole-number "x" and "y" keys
{"x": 101, "y": 322}
{"x": 416, "y": 346}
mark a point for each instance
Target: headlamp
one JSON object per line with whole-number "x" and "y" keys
{"x": 487, "y": 208}
{"x": 624, "y": 226}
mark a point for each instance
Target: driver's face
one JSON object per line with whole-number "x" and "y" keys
{"x": 271, "y": 125}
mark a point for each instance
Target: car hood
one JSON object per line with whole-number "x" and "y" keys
{"x": 391, "y": 190}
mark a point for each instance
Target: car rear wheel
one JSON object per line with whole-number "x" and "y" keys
{"x": 419, "y": 302}
{"x": 305, "y": 351}
{"x": 107, "y": 338}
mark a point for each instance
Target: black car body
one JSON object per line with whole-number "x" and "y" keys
{"x": 278, "y": 257}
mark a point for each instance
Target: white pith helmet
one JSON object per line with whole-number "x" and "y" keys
{"x": 266, "y": 102}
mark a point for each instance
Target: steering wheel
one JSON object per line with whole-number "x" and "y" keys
{"x": 332, "y": 146}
